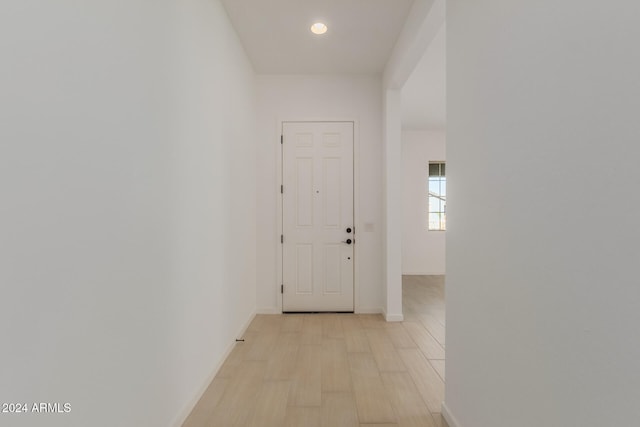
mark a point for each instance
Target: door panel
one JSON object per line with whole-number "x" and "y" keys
{"x": 317, "y": 207}
{"x": 331, "y": 203}
{"x": 332, "y": 268}
{"x": 304, "y": 269}
{"x": 304, "y": 192}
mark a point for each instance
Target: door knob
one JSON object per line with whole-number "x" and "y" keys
{"x": 348, "y": 229}
{"x": 348, "y": 241}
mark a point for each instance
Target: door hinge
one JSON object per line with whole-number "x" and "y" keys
{"x": 282, "y": 238}
{"x": 281, "y": 139}
{"x": 282, "y": 189}
{"x": 282, "y": 289}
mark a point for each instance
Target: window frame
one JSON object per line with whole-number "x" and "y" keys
{"x": 442, "y": 212}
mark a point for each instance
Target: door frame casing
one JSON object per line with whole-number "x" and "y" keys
{"x": 356, "y": 203}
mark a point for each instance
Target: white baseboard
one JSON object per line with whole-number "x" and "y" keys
{"x": 446, "y": 413}
{"x": 268, "y": 310}
{"x": 423, "y": 273}
{"x": 368, "y": 311}
{"x": 389, "y": 317}
{"x": 394, "y": 317}
{"x": 182, "y": 416}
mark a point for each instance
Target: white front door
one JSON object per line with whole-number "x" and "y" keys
{"x": 317, "y": 216}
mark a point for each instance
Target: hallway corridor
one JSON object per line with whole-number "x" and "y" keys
{"x": 335, "y": 370}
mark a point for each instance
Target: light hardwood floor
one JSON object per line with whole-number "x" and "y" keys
{"x": 335, "y": 370}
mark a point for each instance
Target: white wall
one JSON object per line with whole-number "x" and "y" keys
{"x": 295, "y": 97}
{"x": 126, "y": 262}
{"x": 392, "y": 205}
{"x": 542, "y": 245}
{"x": 423, "y": 24}
{"x": 423, "y": 251}
{"x": 214, "y": 195}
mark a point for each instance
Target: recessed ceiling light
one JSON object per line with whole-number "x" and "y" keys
{"x": 318, "y": 28}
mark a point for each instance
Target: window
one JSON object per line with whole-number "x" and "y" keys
{"x": 437, "y": 197}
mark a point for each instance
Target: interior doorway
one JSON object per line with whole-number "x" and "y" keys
{"x": 424, "y": 205}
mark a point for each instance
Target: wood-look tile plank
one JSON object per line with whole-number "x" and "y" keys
{"x": 256, "y": 323}
{"x": 439, "y": 366}
{"x": 335, "y": 366}
{"x": 435, "y": 328}
{"x": 251, "y": 386}
{"x": 282, "y": 360}
{"x": 271, "y": 404}
{"x": 383, "y": 350}
{"x": 235, "y": 407}
{"x": 399, "y": 336}
{"x": 372, "y": 401}
{"x": 207, "y": 403}
{"x": 288, "y": 338}
{"x": 372, "y": 321}
{"x": 260, "y": 338}
{"x": 363, "y": 365}
{"x": 261, "y": 346}
{"x": 292, "y": 322}
{"x": 237, "y": 355}
{"x": 311, "y": 333}
{"x": 429, "y": 346}
{"x": 355, "y": 338}
{"x": 427, "y": 381}
{"x": 371, "y": 397}
{"x": 423, "y": 295}
{"x": 410, "y": 316}
{"x": 439, "y": 420}
{"x": 338, "y": 410}
{"x": 266, "y": 323}
{"x": 302, "y": 416}
{"x": 406, "y": 400}
{"x": 308, "y": 381}
{"x": 332, "y": 326}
